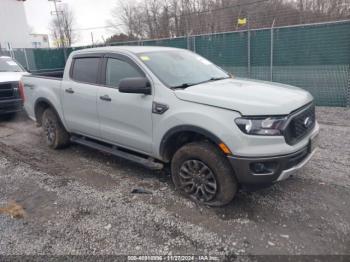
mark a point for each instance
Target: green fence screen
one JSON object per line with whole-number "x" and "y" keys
{"x": 315, "y": 57}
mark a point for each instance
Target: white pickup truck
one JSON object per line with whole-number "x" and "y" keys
{"x": 157, "y": 106}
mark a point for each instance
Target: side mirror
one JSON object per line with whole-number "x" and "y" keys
{"x": 136, "y": 85}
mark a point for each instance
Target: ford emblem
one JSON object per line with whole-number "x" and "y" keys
{"x": 307, "y": 122}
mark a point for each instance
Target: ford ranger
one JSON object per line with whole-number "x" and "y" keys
{"x": 158, "y": 106}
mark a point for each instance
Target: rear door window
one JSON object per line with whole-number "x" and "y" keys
{"x": 86, "y": 69}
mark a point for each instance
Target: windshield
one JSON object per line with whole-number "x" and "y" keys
{"x": 181, "y": 68}
{"x": 8, "y": 65}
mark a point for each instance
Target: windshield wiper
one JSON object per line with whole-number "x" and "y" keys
{"x": 185, "y": 85}
{"x": 217, "y": 78}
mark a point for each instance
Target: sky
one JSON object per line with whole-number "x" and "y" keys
{"x": 88, "y": 14}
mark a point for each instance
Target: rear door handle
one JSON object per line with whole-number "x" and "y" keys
{"x": 69, "y": 91}
{"x": 106, "y": 98}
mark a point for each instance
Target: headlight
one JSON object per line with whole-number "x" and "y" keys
{"x": 270, "y": 126}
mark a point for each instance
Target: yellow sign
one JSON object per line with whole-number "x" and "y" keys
{"x": 242, "y": 21}
{"x": 145, "y": 58}
{"x": 58, "y": 42}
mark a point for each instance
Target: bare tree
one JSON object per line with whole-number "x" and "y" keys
{"x": 128, "y": 15}
{"x": 174, "y": 18}
{"x": 64, "y": 26}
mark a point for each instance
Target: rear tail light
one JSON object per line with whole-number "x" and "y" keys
{"x": 21, "y": 90}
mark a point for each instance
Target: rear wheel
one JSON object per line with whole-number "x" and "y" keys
{"x": 56, "y": 135}
{"x": 201, "y": 172}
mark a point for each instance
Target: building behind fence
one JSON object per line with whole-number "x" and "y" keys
{"x": 315, "y": 57}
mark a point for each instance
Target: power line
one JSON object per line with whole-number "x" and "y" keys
{"x": 97, "y": 27}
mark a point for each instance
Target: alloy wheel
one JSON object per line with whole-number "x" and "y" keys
{"x": 197, "y": 180}
{"x": 50, "y": 131}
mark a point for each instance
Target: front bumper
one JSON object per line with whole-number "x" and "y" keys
{"x": 277, "y": 168}
{"x": 10, "y": 106}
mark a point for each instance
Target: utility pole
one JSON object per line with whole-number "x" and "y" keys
{"x": 60, "y": 28}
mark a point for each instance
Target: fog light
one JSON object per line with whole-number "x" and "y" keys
{"x": 263, "y": 167}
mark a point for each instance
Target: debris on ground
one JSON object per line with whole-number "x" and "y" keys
{"x": 141, "y": 191}
{"x": 14, "y": 210}
{"x": 271, "y": 243}
{"x": 108, "y": 227}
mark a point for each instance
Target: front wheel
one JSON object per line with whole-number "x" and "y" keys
{"x": 55, "y": 133}
{"x": 200, "y": 171}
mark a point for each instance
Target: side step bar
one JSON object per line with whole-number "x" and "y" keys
{"x": 113, "y": 150}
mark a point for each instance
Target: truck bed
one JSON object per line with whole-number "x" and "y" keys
{"x": 49, "y": 74}
{"x": 40, "y": 86}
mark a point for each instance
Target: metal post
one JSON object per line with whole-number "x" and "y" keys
{"x": 10, "y": 49}
{"x": 26, "y": 57}
{"x": 271, "y": 51}
{"x": 13, "y": 54}
{"x": 348, "y": 94}
{"x": 188, "y": 34}
{"x": 194, "y": 44}
{"x": 249, "y": 69}
{"x": 92, "y": 39}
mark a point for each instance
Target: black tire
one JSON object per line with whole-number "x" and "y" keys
{"x": 56, "y": 135}
{"x": 196, "y": 167}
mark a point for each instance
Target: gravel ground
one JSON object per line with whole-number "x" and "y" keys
{"x": 79, "y": 201}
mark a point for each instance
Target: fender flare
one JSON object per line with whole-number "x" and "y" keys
{"x": 45, "y": 100}
{"x": 184, "y": 128}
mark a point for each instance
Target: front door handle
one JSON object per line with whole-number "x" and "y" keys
{"x": 69, "y": 91}
{"x": 106, "y": 98}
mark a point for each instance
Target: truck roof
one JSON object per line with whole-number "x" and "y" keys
{"x": 131, "y": 49}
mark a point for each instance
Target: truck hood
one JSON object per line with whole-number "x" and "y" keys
{"x": 11, "y": 76}
{"x": 249, "y": 97}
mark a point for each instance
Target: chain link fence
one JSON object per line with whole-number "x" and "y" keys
{"x": 315, "y": 57}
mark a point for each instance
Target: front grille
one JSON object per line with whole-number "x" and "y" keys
{"x": 7, "y": 90}
{"x": 300, "y": 124}
{"x": 10, "y": 106}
